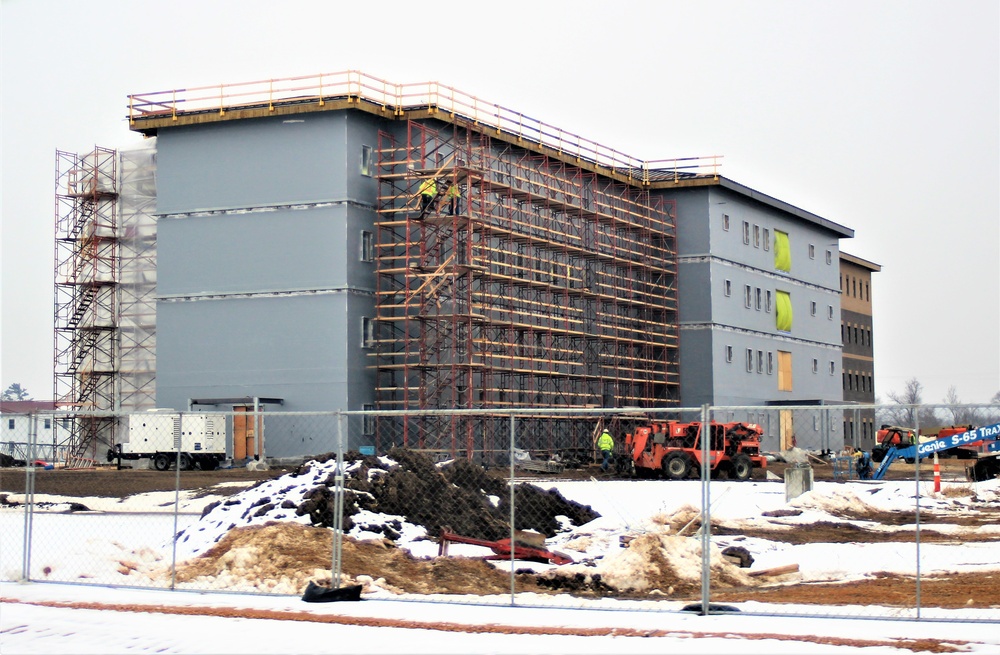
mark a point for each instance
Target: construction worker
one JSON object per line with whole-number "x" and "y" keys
{"x": 428, "y": 191}
{"x": 453, "y": 196}
{"x": 605, "y": 443}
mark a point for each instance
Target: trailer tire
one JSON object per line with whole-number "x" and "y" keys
{"x": 676, "y": 466}
{"x": 208, "y": 464}
{"x": 742, "y": 466}
{"x": 161, "y": 461}
{"x": 185, "y": 462}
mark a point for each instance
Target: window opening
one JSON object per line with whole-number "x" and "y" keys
{"x": 782, "y": 252}
{"x": 366, "y": 161}
{"x": 367, "y": 246}
{"x": 783, "y": 311}
{"x": 784, "y": 371}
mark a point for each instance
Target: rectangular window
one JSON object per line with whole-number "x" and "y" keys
{"x": 48, "y": 424}
{"x": 760, "y": 361}
{"x": 784, "y": 371}
{"x": 366, "y": 161}
{"x": 782, "y": 252}
{"x": 770, "y": 362}
{"x": 783, "y": 311}
{"x": 729, "y": 354}
{"x": 767, "y": 301}
{"x": 812, "y": 251}
{"x": 829, "y": 312}
{"x": 369, "y": 420}
{"x": 815, "y": 365}
{"x": 767, "y": 239}
{"x": 749, "y": 360}
{"x": 758, "y": 302}
{"x": 829, "y": 257}
{"x": 367, "y": 332}
{"x": 727, "y": 288}
{"x": 747, "y": 295}
{"x": 367, "y": 246}
{"x": 746, "y": 232}
{"x": 725, "y": 222}
{"x": 756, "y": 236}
{"x": 833, "y": 368}
{"x": 10, "y": 424}
{"x": 812, "y": 308}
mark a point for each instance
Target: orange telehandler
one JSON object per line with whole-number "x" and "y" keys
{"x": 674, "y": 449}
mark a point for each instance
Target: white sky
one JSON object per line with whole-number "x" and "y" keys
{"x": 882, "y": 116}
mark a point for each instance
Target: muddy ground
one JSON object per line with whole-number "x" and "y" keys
{"x": 305, "y": 550}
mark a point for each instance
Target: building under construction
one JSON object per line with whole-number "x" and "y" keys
{"x": 283, "y": 259}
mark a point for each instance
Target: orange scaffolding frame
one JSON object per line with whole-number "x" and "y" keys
{"x": 552, "y": 286}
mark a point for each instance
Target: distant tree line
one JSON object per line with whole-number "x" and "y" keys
{"x": 908, "y": 409}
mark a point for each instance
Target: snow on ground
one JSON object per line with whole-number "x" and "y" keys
{"x": 98, "y": 544}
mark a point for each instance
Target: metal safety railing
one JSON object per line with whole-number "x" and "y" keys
{"x": 434, "y": 97}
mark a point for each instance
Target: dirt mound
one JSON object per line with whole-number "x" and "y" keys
{"x": 458, "y": 495}
{"x": 282, "y": 557}
{"x": 653, "y": 564}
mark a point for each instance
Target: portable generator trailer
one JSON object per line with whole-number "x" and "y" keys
{"x": 170, "y": 438}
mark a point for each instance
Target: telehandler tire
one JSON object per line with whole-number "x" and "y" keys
{"x": 742, "y": 466}
{"x": 676, "y": 466}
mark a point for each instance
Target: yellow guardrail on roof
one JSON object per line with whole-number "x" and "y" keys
{"x": 355, "y": 86}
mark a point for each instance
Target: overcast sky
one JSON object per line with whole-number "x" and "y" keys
{"x": 881, "y": 116}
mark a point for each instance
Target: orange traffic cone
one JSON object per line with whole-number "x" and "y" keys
{"x": 937, "y": 474}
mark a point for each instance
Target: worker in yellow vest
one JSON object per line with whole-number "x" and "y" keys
{"x": 453, "y": 196}
{"x": 605, "y": 444}
{"x": 428, "y": 191}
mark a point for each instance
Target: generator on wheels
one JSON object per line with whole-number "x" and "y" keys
{"x": 168, "y": 438}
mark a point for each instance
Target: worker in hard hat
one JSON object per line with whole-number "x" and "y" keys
{"x": 428, "y": 191}
{"x": 453, "y": 196}
{"x": 605, "y": 444}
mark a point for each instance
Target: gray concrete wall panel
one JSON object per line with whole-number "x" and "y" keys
{"x": 253, "y": 252}
{"x": 260, "y": 162}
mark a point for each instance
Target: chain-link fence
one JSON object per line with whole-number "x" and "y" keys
{"x": 789, "y": 510}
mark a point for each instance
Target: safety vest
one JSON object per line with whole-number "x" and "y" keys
{"x": 605, "y": 442}
{"x": 453, "y": 192}
{"x": 428, "y": 187}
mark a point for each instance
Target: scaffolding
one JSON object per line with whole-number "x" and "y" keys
{"x": 136, "y": 388}
{"x": 549, "y": 286}
{"x": 86, "y": 294}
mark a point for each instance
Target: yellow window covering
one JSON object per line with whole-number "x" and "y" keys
{"x": 783, "y": 311}
{"x": 782, "y": 252}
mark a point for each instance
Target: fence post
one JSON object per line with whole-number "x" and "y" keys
{"x": 29, "y": 498}
{"x": 510, "y": 457}
{"x": 177, "y": 500}
{"x": 336, "y": 564}
{"x": 706, "y": 514}
{"x": 916, "y": 465}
